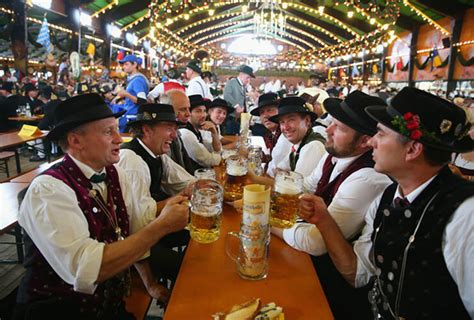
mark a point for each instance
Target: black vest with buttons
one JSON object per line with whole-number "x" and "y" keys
{"x": 154, "y": 164}
{"x": 426, "y": 290}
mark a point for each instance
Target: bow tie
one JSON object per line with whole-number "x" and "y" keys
{"x": 98, "y": 178}
{"x": 400, "y": 203}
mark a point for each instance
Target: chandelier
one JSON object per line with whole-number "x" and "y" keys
{"x": 269, "y": 19}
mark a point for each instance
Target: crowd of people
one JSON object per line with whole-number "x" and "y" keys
{"x": 387, "y": 213}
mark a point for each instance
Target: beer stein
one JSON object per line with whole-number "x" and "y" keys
{"x": 252, "y": 255}
{"x": 206, "y": 209}
{"x": 225, "y": 154}
{"x": 285, "y": 199}
{"x": 255, "y": 159}
{"x": 205, "y": 173}
{"x": 236, "y": 172}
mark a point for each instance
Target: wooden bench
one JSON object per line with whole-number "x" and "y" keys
{"x": 4, "y": 157}
{"x": 139, "y": 300}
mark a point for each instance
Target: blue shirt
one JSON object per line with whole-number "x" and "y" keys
{"x": 137, "y": 87}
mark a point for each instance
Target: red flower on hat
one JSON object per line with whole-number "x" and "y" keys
{"x": 407, "y": 116}
{"x": 416, "y": 134}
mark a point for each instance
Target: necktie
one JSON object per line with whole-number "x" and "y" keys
{"x": 98, "y": 178}
{"x": 400, "y": 203}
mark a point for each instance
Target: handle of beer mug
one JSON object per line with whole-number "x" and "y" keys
{"x": 228, "y": 251}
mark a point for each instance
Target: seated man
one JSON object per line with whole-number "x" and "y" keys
{"x": 181, "y": 105}
{"x": 84, "y": 224}
{"x": 346, "y": 180}
{"x": 218, "y": 111}
{"x": 275, "y": 142}
{"x": 144, "y": 159}
{"x": 203, "y": 153}
{"x": 307, "y": 146}
{"x": 416, "y": 248}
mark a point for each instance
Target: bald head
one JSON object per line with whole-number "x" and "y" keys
{"x": 180, "y": 102}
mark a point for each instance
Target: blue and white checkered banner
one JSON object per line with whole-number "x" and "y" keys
{"x": 43, "y": 36}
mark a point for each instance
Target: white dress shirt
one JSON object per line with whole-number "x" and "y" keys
{"x": 174, "y": 179}
{"x": 348, "y": 207}
{"x": 198, "y": 151}
{"x": 198, "y": 86}
{"x": 51, "y": 216}
{"x": 457, "y": 246}
{"x": 310, "y": 155}
{"x": 281, "y": 150}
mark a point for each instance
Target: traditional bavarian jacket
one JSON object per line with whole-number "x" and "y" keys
{"x": 66, "y": 231}
{"x": 155, "y": 165}
{"x": 347, "y": 187}
{"x": 411, "y": 271}
{"x": 160, "y": 175}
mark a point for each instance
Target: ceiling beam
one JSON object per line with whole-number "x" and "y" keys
{"x": 445, "y": 7}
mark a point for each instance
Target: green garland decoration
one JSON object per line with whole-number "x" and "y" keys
{"x": 464, "y": 62}
{"x": 423, "y": 65}
{"x": 392, "y": 69}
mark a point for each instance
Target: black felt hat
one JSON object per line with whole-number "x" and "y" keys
{"x": 351, "y": 111}
{"x": 247, "y": 70}
{"x": 29, "y": 87}
{"x": 7, "y": 86}
{"x": 221, "y": 103}
{"x": 194, "y": 65}
{"x": 197, "y": 100}
{"x": 154, "y": 112}
{"x": 267, "y": 99}
{"x": 424, "y": 117}
{"x": 79, "y": 110}
{"x": 292, "y": 105}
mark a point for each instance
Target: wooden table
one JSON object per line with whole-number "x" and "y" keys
{"x": 12, "y": 139}
{"x": 208, "y": 281}
{"x": 36, "y": 118}
{"x": 30, "y": 175}
{"x": 9, "y": 207}
{"x": 9, "y": 215}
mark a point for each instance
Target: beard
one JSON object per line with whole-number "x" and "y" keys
{"x": 346, "y": 151}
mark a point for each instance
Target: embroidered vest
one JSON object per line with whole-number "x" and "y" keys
{"x": 310, "y": 136}
{"x": 329, "y": 190}
{"x": 41, "y": 281}
{"x": 422, "y": 288}
{"x": 155, "y": 165}
{"x": 271, "y": 139}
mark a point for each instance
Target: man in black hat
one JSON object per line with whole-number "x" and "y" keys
{"x": 84, "y": 224}
{"x": 195, "y": 83}
{"x": 295, "y": 122}
{"x": 235, "y": 93}
{"x": 417, "y": 244}
{"x": 277, "y": 145}
{"x": 203, "y": 153}
{"x": 31, "y": 98}
{"x": 8, "y": 106}
{"x": 145, "y": 161}
{"x": 217, "y": 112}
{"x": 347, "y": 182}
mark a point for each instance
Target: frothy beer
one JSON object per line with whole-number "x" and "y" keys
{"x": 206, "y": 209}
{"x": 205, "y": 226}
{"x": 235, "y": 181}
{"x": 285, "y": 199}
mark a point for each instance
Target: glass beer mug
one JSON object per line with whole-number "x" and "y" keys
{"x": 285, "y": 199}
{"x": 205, "y": 173}
{"x": 255, "y": 159}
{"x": 206, "y": 210}
{"x": 236, "y": 172}
{"x": 252, "y": 255}
{"x": 225, "y": 154}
